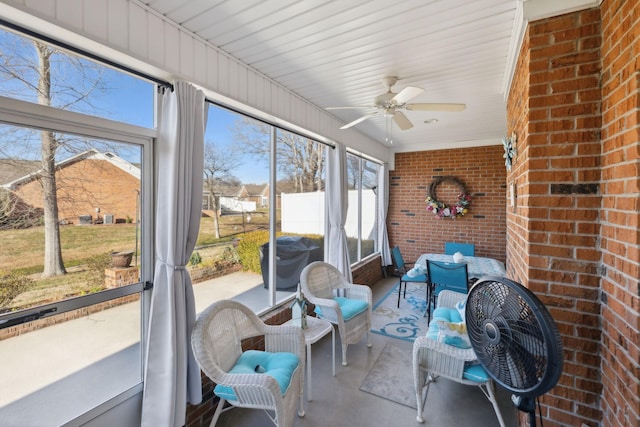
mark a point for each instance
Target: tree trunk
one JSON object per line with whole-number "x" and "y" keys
{"x": 53, "y": 264}
{"x": 216, "y": 221}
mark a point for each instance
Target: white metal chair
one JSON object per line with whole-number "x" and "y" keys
{"x": 338, "y": 301}
{"x": 217, "y": 343}
{"x": 433, "y": 359}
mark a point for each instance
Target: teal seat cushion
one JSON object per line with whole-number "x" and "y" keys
{"x": 280, "y": 366}
{"x": 349, "y": 307}
{"x": 475, "y": 373}
{"x": 441, "y": 313}
{"x": 448, "y": 327}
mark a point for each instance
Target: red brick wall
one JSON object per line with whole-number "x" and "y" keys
{"x": 573, "y": 238}
{"x": 619, "y": 235}
{"x": 369, "y": 272}
{"x": 417, "y": 231}
{"x": 86, "y": 185}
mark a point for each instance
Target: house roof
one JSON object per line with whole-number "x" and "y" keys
{"x": 226, "y": 189}
{"x": 13, "y": 169}
{"x": 256, "y": 189}
{"x": 91, "y": 154}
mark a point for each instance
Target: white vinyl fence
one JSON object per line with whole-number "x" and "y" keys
{"x": 303, "y": 213}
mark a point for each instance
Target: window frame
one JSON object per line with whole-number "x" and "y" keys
{"x": 24, "y": 114}
{"x": 361, "y": 159}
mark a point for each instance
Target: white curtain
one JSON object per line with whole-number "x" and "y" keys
{"x": 172, "y": 375}
{"x": 381, "y": 219}
{"x": 336, "y": 251}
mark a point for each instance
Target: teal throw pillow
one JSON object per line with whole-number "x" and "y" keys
{"x": 280, "y": 366}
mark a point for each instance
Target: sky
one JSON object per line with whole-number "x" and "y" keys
{"x": 123, "y": 97}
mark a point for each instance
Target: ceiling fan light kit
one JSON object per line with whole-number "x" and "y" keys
{"x": 390, "y": 103}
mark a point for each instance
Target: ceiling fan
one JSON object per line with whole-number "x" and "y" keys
{"x": 390, "y": 104}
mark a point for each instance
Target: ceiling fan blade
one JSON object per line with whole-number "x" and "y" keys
{"x": 406, "y": 94}
{"x": 436, "y": 107}
{"x": 350, "y": 108}
{"x": 361, "y": 119}
{"x": 402, "y": 121}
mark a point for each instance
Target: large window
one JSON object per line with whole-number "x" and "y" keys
{"x": 263, "y": 187}
{"x": 362, "y": 177}
{"x": 75, "y": 203}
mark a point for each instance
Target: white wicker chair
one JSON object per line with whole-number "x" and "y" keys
{"x": 217, "y": 343}
{"x": 433, "y": 359}
{"x": 321, "y": 283}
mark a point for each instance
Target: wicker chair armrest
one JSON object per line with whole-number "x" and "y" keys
{"x": 252, "y": 389}
{"x": 440, "y": 358}
{"x": 322, "y": 302}
{"x": 287, "y": 338}
{"x": 447, "y": 298}
{"x": 330, "y": 308}
{"x": 359, "y": 292}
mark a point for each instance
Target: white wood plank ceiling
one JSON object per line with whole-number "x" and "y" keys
{"x": 335, "y": 53}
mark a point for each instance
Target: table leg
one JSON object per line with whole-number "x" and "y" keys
{"x": 333, "y": 350}
{"x": 309, "y": 372}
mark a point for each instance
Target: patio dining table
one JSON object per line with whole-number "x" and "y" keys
{"x": 476, "y": 266}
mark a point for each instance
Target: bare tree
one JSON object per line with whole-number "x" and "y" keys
{"x": 26, "y": 72}
{"x": 299, "y": 159}
{"x": 218, "y": 170}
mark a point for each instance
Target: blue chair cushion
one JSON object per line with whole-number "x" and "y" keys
{"x": 461, "y": 306}
{"x": 475, "y": 373}
{"x": 280, "y": 366}
{"x": 349, "y": 307}
{"x": 447, "y": 327}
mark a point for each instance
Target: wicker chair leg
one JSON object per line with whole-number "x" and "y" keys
{"x": 301, "y": 407}
{"x": 217, "y": 413}
{"x": 422, "y": 389}
{"x": 492, "y": 397}
{"x": 344, "y": 353}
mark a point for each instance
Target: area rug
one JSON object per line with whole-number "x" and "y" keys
{"x": 391, "y": 377}
{"x": 408, "y": 321}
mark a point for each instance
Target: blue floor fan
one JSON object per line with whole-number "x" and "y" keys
{"x": 515, "y": 338}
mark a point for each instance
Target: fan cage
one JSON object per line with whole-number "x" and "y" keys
{"x": 514, "y": 336}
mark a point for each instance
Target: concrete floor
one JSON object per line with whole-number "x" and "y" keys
{"x": 338, "y": 401}
{"x": 50, "y": 369}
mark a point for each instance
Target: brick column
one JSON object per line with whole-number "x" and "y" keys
{"x": 115, "y": 277}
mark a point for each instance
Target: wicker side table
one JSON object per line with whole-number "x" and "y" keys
{"x": 316, "y": 329}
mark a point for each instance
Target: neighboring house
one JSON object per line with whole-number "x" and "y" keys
{"x": 13, "y": 169}
{"x": 258, "y": 193}
{"x": 235, "y": 198}
{"x": 81, "y": 191}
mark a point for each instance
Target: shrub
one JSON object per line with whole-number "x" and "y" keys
{"x": 249, "y": 247}
{"x": 96, "y": 265}
{"x": 230, "y": 256}
{"x": 15, "y": 214}
{"x": 13, "y": 284}
{"x": 195, "y": 258}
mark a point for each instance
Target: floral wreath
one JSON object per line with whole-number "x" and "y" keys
{"x": 441, "y": 210}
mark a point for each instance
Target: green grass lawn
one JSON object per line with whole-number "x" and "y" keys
{"x": 23, "y": 252}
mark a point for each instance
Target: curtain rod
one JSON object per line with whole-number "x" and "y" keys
{"x": 81, "y": 52}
